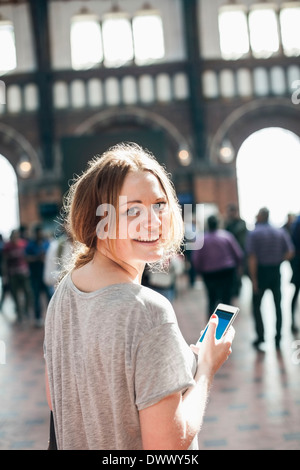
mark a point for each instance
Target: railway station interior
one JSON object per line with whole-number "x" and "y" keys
{"x": 212, "y": 89}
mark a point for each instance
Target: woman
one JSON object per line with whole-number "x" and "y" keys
{"x": 120, "y": 373}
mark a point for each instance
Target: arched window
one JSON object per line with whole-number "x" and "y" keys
{"x": 9, "y": 204}
{"x": 8, "y": 57}
{"x": 268, "y": 169}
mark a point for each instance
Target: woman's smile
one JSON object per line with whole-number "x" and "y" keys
{"x": 147, "y": 241}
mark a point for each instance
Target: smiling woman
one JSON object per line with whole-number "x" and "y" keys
{"x": 143, "y": 220}
{"x": 121, "y": 375}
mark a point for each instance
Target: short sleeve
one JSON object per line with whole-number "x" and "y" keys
{"x": 164, "y": 365}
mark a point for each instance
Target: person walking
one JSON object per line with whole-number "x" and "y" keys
{"x": 35, "y": 251}
{"x": 16, "y": 273}
{"x": 267, "y": 248}
{"x": 237, "y": 226}
{"x": 217, "y": 261}
{"x": 57, "y": 256}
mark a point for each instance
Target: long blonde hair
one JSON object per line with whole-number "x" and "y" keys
{"x": 100, "y": 184}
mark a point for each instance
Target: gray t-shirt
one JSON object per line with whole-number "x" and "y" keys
{"x": 110, "y": 353}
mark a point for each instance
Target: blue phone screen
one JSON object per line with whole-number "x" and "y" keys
{"x": 224, "y": 319}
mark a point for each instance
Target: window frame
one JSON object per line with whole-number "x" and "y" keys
{"x": 9, "y": 27}
{"x": 133, "y": 59}
{"x": 256, "y": 7}
{"x": 234, "y": 55}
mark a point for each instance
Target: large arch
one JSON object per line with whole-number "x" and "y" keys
{"x": 268, "y": 169}
{"x": 140, "y": 117}
{"x": 15, "y": 146}
{"x": 258, "y": 114}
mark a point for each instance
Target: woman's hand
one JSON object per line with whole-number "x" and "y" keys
{"x": 212, "y": 353}
{"x": 174, "y": 422}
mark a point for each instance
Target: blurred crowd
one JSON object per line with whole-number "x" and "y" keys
{"x": 29, "y": 268}
{"x": 30, "y": 264}
{"x": 227, "y": 250}
{"x": 232, "y": 251}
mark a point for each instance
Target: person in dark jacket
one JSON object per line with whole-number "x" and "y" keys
{"x": 217, "y": 261}
{"x": 267, "y": 248}
{"x": 295, "y": 263}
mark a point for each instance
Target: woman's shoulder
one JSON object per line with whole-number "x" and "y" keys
{"x": 140, "y": 303}
{"x": 149, "y": 296}
{"x": 136, "y": 300}
{"x": 160, "y": 307}
{"x": 125, "y": 293}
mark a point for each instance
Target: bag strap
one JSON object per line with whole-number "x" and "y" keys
{"x": 52, "y": 440}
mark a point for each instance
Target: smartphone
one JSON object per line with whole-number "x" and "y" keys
{"x": 226, "y": 314}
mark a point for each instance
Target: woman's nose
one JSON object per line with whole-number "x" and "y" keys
{"x": 152, "y": 219}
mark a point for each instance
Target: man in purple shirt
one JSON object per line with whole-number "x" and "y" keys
{"x": 267, "y": 248}
{"x": 217, "y": 262}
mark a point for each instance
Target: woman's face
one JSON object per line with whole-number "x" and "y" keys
{"x": 144, "y": 220}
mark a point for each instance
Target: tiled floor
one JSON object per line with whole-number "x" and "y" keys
{"x": 254, "y": 403}
{"x": 255, "y": 400}
{"x": 24, "y": 411}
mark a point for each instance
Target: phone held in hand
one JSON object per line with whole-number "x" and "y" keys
{"x": 226, "y": 315}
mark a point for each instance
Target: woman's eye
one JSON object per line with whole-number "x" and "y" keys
{"x": 159, "y": 206}
{"x": 133, "y": 211}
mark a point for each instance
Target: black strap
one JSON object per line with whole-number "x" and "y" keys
{"x": 52, "y": 441}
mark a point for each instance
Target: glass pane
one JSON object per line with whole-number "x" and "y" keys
{"x": 267, "y": 171}
{"x": 264, "y": 37}
{"x": 290, "y": 31}
{"x": 148, "y": 38}
{"x": 117, "y": 41}
{"x": 86, "y": 44}
{"x": 8, "y": 58}
{"x": 9, "y": 204}
{"x": 234, "y": 41}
